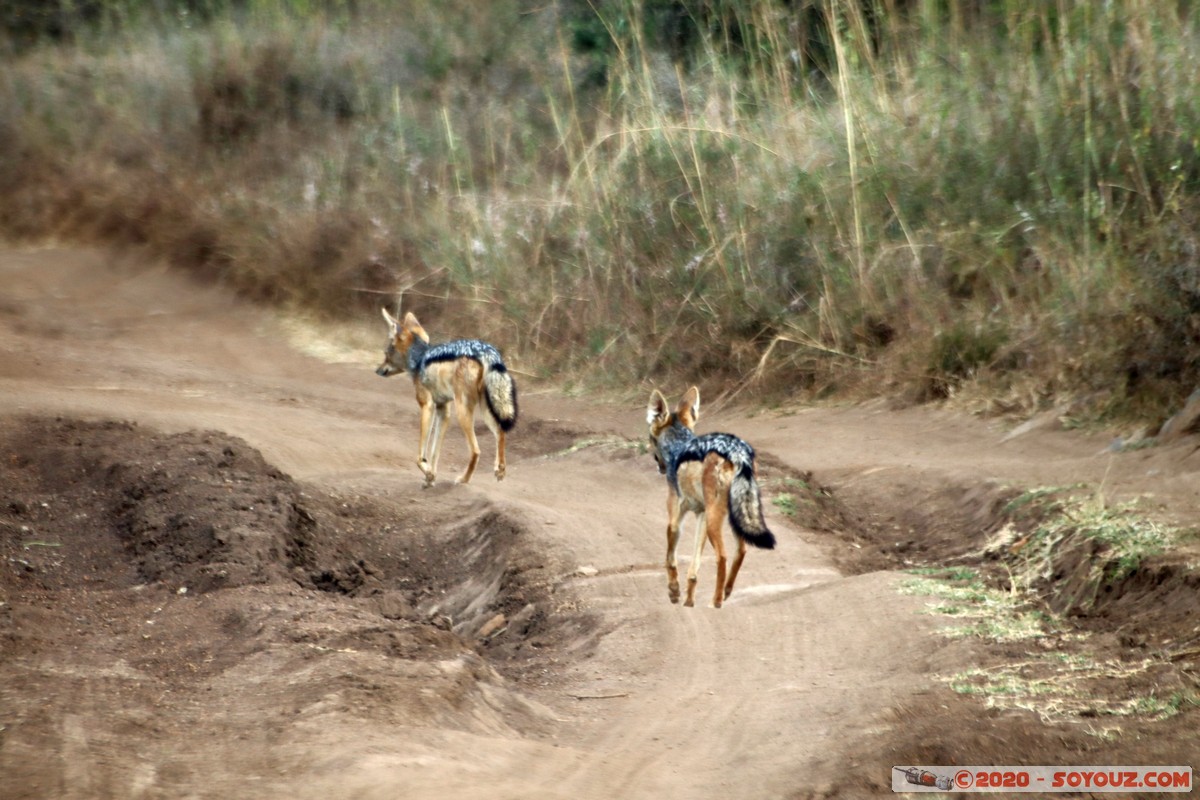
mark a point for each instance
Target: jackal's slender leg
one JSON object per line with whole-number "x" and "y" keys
{"x": 466, "y": 421}
{"x": 713, "y": 531}
{"x": 673, "y": 517}
{"x": 428, "y": 427}
{"x": 499, "y": 469}
{"x": 494, "y": 427}
{"x": 694, "y": 567}
{"x": 733, "y": 570}
{"x": 441, "y": 423}
{"x": 431, "y": 443}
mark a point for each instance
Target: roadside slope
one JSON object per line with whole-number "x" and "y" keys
{"x": 763, "y": 698}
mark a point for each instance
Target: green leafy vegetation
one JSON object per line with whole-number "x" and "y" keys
{"x": 985, "y": 612}
{"x": 1125, "y": 537}
{"x": 930, "y": 198}
{"x": 1060, "y": 549}
{"x": 1062, "y": 686}
{"x": 786, "y": 503}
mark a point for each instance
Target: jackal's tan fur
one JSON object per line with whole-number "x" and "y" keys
{"x": 711, "y": 476}
{"x": 465, "y": 372}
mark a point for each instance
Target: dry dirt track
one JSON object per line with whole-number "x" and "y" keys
{"x": 763, "y": 698}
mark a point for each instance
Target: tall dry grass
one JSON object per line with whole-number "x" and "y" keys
{"x": 925, "y": 199}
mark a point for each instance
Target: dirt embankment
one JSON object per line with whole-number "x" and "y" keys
{"x": 219, "y": 576}
{"x": 143, "y": 570}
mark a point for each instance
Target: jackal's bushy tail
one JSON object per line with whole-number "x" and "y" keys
{"x": 745, "y": 510}
{"x": 500, "y": 393}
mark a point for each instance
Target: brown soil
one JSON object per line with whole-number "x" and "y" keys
{"x": 220, "y": 577}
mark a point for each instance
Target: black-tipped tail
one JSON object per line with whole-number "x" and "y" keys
{"x": 745, "y": 510}
{"x": 500, "y": 394}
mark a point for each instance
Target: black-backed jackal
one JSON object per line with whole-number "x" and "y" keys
{"x": 713, "y": 477}
{"x": 464, "y": 372}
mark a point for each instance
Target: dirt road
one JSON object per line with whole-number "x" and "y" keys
{"x": 499, "y": 640}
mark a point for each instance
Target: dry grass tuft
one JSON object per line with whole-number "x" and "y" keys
{"x": 846, "y": 197}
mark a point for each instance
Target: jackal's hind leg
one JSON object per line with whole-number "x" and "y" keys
{"x": 466, "y": 421}
{"x": 494, "y": 427}
{"x": 733, "y": 570}
{"x": 672, "y": 560}
{"x": 500, "y": 465}
{"x": 694, "y": 567}
{"x": 442, "y": 426}
{"x": 713, "y": 531}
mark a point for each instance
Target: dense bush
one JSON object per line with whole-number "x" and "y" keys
{"x": 916, "y": 198}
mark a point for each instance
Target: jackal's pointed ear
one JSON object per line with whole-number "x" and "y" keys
{"x": 657, "y": 412}
{"x": 689, "y": 407}
{"x": 412, "y": 326}
{"x": 390, "y": 320}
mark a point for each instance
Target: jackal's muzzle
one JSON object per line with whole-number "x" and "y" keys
{"x": 393, "y": 362}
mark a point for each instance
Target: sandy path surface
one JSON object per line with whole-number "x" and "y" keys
{"x": 759, "y": 699}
